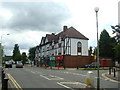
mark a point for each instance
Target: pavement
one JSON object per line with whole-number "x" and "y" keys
{"x": 113, "y": 77}
{"x": 0, "y": 78}
{"x": 0, "y": 83}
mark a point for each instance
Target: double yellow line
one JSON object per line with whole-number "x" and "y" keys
{"x": 14, "y": 82}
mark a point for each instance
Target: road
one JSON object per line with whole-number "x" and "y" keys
{"x": 36, "y": 77}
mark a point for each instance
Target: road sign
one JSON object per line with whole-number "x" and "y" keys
{"x": 52, "y": 58}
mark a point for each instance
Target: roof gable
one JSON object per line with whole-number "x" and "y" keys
{"x": 42, "y": 40}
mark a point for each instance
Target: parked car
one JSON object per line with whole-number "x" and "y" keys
{"x": 92, "y": 65}
{"x": 8, "y": 64}
{"x": 19, "y": 64}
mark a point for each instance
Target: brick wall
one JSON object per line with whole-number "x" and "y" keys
{"x": 77, "y": 61}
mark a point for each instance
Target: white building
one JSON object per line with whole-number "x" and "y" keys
{"x": 68, "y": 42}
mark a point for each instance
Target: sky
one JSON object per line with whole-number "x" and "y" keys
{"x": 27, "y": 22}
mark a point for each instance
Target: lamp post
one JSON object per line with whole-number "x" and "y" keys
{"x": 98, "y": 77}
{"x": 1, "y": 48}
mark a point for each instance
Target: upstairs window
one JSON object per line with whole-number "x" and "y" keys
{"x": 59, "y": 45}
{"x": 79, "y": 48}
{"x": 47, "y": 48}
{"x": 52, "y": 47}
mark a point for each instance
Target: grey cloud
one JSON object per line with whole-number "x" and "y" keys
{"x": 9, "y": 45}
{"x": 44, "y": 16}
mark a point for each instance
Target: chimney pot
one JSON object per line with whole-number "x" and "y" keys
{"x": 64, "y": 28}
{"x": 53, "y": 33}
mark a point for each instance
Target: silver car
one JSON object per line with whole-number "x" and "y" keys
{"x": 19, "y": 64}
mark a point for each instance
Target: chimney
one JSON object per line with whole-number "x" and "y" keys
{"x": 53, "y": 33}
{"x": 64, "y": 28}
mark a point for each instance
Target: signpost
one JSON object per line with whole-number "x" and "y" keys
{"x": 52, "y": 61}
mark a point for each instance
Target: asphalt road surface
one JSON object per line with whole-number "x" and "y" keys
{"x": 36, "y": 77}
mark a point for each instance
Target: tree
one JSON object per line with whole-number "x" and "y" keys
{"x": 24, "y": 58}
{"x": 90, "y": 51}
{"x": 16, "y": 53}
{"x": 105, "y": 48}
{"x": 116, "y": 30}
{"x": 32, "y": 53}
{"x": 117, "y": 53}
{"x": 113, "y": 44}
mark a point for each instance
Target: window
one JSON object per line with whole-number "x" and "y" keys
{"x": 47, "y": 48}
{"x": 52, "y": 47}
{"x": 79, "y": 48}
{"x": 56, "y": 52}
{"x": 59, "y": 53}
{"x": 43, "y": 50}
{"x": 59, "y": 45}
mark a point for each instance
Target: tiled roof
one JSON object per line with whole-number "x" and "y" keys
{"x": 72, "y": 33}
{"x": 67, "y": 32}
{"x": 51, "y": 37}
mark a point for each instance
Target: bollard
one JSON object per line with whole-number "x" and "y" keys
{"x": 3, "y": 76}
{"x": 5, "y": 84}
{"x": 64, "y": 67}
{"x": 112, "y": 69}
{"x": 58, "y": 67}
{"x": 77, "y": 67}
{"x": 109, "y": 70}
{"x": 90, "y": 79}
{"x": 114, "y": 73}
{"x": 50, "y": 67}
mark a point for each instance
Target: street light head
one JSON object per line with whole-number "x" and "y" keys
{"x": 96, "y": 9}
{"x": 8, "y": 34}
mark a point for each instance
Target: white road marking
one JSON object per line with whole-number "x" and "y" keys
{"x": 35, "y": 72}
{"x": 64, "y": 86}
{"x": 32, "y": 72}
{"x": 44, "y": 77}
{"x": 106, "y": 79}
{"x": 74, "y": 83}
{"x": 52, "y": 77}
{"x": 56, "y": 77}
{"x": 81, "y": 75}
{"x": 74, "y": 73}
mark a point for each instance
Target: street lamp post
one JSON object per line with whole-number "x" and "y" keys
{"x": 98, "y": 77}
{"x": 1, "y": 49}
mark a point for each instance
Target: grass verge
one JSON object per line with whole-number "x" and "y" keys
{"x": 94, "y": 68}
